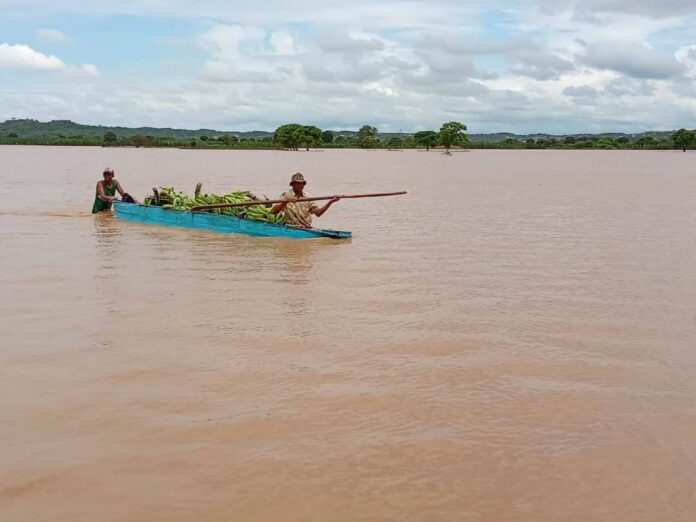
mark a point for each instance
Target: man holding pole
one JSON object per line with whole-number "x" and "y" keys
{"x": 300, "y": 214}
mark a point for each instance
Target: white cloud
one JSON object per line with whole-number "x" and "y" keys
{"x": 342, "y": 42}
{"x": 637, "y": 61}
{"x": 229, "y": 41}
{"x": 90, "y": 69}
{"x": 583, "y": 94}
{"x": 366, "y": 14}
{"x": 381, "y": 89}
{"x": 686, "y": 55}
{"x": 540, "y": 64}
{"x": 245, "y": 54}
{"x": 623, "y": 86}
{"x": 51, "y": 35}
{"x": 520, "y": 65}
{"x": 589, "y": 9}
{"x": 24, "y": 57}
{"x": 282, "y": 43}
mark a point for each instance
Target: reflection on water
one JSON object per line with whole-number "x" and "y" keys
{"x": 525, "y": 353}
{"x": 108, "y": 238}
{"x": 39, "y": 213}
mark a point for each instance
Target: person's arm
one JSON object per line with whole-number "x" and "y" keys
{"x": 279, "y": 207}
{"x": 320, "y": 211}
{"x": 100, "y": 191}
{"x": 120, "y": 190}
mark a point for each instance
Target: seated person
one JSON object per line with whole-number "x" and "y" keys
{"x": 300, "y": 214}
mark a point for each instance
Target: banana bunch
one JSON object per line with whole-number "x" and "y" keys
{"x": 168, "y": 198}
{"x": 263, "y": 213}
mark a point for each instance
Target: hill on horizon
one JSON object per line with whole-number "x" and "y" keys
{"x": 30, "y": 128}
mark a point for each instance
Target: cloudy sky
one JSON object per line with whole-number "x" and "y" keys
{"x": 516, "y": 65}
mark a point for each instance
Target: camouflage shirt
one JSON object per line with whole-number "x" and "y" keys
{"x": 299, "y": 214}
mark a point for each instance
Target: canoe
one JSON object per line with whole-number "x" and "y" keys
{"x": 217, "y": 222}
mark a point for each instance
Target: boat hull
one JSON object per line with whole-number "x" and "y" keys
{"x": 217, "y": 222}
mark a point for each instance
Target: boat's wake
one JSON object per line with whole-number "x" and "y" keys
{"x": 44, "y": 213}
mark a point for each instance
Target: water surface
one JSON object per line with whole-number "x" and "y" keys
{"x": 515, "y": 340}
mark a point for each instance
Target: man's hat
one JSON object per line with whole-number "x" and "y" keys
{"x": 297, "y": 178}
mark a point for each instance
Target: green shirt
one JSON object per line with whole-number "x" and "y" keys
{"x": 99, "y": 204}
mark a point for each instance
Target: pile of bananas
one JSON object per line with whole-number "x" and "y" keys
{"x": 168, "y": 198}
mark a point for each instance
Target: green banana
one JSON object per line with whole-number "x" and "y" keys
{"x": 170, "y": 198}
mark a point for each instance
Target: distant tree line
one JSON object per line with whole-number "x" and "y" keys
{"x": 110, "y": 139}
{"x": 294, "y": 136}
{"x": 682, "y": 139}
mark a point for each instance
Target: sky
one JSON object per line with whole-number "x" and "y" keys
{"x": 524, "y": 66}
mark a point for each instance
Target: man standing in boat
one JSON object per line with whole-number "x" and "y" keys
{"x": 300, "y": 214}
{"x": 106, "y": 192}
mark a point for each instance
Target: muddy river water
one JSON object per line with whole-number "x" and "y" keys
{"x": 514, "y": 340}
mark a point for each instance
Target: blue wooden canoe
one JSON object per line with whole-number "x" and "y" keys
{"x": 217, "y": 222}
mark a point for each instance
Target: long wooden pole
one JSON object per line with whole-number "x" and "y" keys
{"x": 274, "y": 201}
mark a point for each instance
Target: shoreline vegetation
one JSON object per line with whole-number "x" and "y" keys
{"x": 295, "y": 137}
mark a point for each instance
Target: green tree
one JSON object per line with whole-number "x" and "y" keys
{"x": 409, "y": 143}
{"x": 584, "y": 144}
{"x": 395, "y": 142}
{"x": 367, "y": 136}
{"x": 427, "y": 139}
{"x": 138, "y": 140}
{"x": 327, "y": 136}
{"x": 606, "y": 143}
{"x": 110, "y": 138}
{"x": 452, "y": 133}
{"x": 308, "y": 135}
{"x": 684, "y": 138}
{"x": 228, "y": 139}
{"x": 288, "y": 135}
{"x": 569, "y": 140}
{"x": 647, "y": 142}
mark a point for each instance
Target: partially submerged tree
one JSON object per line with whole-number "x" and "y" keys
{"x": 452, "y": 133}
{"x": 292, "y": 135}
{"x": 139, "y": 140}
{"x": 110, "y": 138}
{"x": 327, "y": 136}
{"x": 395, "y": 142}
{"x": 228, "y": 139}
{"x": 308, "y": 135}
{"x": 646, "y": 142}
{"x": 684, "y": 138}
{"x": 367, "y": 136}
{"x": 288, "y": 135}
{"x": 605, "y": 142}
{"x": 427, "y": 139}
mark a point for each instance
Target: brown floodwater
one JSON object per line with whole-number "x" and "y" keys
{"x": 514, "y": 340}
